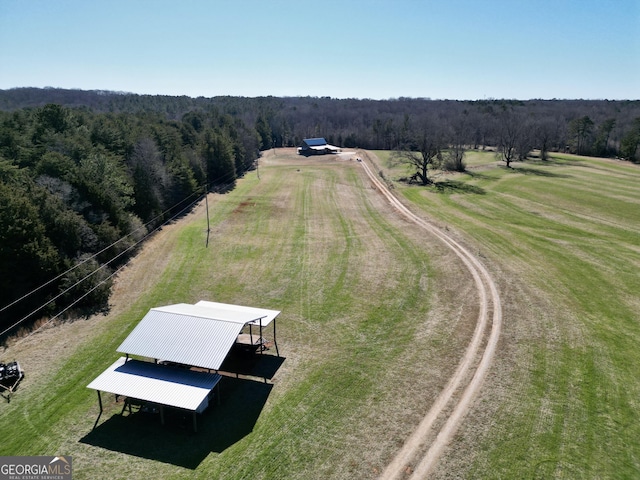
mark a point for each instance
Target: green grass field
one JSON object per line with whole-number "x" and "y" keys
{"x": 565, "y": 237}
{"x": 374, "y": 316}
{"x": 308, "y": 238}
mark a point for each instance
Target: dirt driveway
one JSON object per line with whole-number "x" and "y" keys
{"x": 454, "y": 401}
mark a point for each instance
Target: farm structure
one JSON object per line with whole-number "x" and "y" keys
{"x": 316, "y": 146}
{"x": 188, "y": 344}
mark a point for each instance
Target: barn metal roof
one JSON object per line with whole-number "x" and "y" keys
{"x": 161, "y": 384}
{"x": 200, "y": 335}
{"x": 315, "y": 142}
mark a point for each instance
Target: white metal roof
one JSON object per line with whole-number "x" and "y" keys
{"x": 159, "y": 384}
{"x": 263, "y": 315}
{"x": 180, "y": 338}
{"x": 324, "y": 147}
{"x": 200, "y": 335}
{"x": 210, "y": 310}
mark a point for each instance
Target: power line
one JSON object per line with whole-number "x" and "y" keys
{"x": 104, "y": 265}
{"x": 228, "y": 176}
{"x": 153, "y": 220}
{"x": 73, "y": 303}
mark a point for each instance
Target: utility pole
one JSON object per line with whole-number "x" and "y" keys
{"x": 206, "y": 202}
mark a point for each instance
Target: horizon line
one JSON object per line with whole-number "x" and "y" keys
{"x": 327, "y": 97}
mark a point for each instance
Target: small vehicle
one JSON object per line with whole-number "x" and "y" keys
{"x": 10, "y": 376}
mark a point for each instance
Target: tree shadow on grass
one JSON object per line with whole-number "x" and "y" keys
{"x": 538, "y": 172}
{"x": 141, "y": 433}
{"x": 552, "y": 161}
{"x": 477, "y": 174}
{"x": 453, "y": 186}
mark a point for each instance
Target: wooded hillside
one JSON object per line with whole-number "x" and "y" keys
{"x": 79, "y": 190}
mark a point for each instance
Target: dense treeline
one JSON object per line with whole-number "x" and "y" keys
{"x": 79, "y": 190}
{"x": 589, "y": 127}
{"x": 84, "y": 175}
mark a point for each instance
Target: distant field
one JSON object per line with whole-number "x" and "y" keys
{"x": 375, "y": 314}
{"x": 564, "y": 235}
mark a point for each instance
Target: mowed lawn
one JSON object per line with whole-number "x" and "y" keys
{"x": 374, "y": 316}
{"x": 563, "y": 239}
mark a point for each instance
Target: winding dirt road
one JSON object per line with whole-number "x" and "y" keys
{"x": 465, "y": 383}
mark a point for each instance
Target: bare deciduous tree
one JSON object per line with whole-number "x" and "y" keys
{"x": 459, "y": 131}
{"x": 454, "y": 159}
{"x": 423, "y": 153}
{"x": 510, "y": 132}
{"x": 547, "y": 132}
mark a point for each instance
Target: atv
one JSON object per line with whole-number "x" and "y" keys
{"x": 10, "y": 376}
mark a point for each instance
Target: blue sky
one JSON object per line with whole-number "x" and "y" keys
{"x": 453, "y": 49}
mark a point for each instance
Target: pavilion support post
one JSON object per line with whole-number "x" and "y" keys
{"x": 100, "y": 414}
{"x": 195, "y": 422}
{"x": 275, "y": 342}
{"x": 261, "y": 337}
{"x": 162, "y": 414}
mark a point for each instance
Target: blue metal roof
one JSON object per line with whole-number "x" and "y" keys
{"x": 315, "y": 142}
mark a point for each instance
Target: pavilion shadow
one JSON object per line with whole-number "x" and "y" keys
{"x": 254, "y": 364}
{"x": 220, "y": 426}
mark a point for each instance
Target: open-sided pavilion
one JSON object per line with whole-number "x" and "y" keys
{"x": 179, "y": 336}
